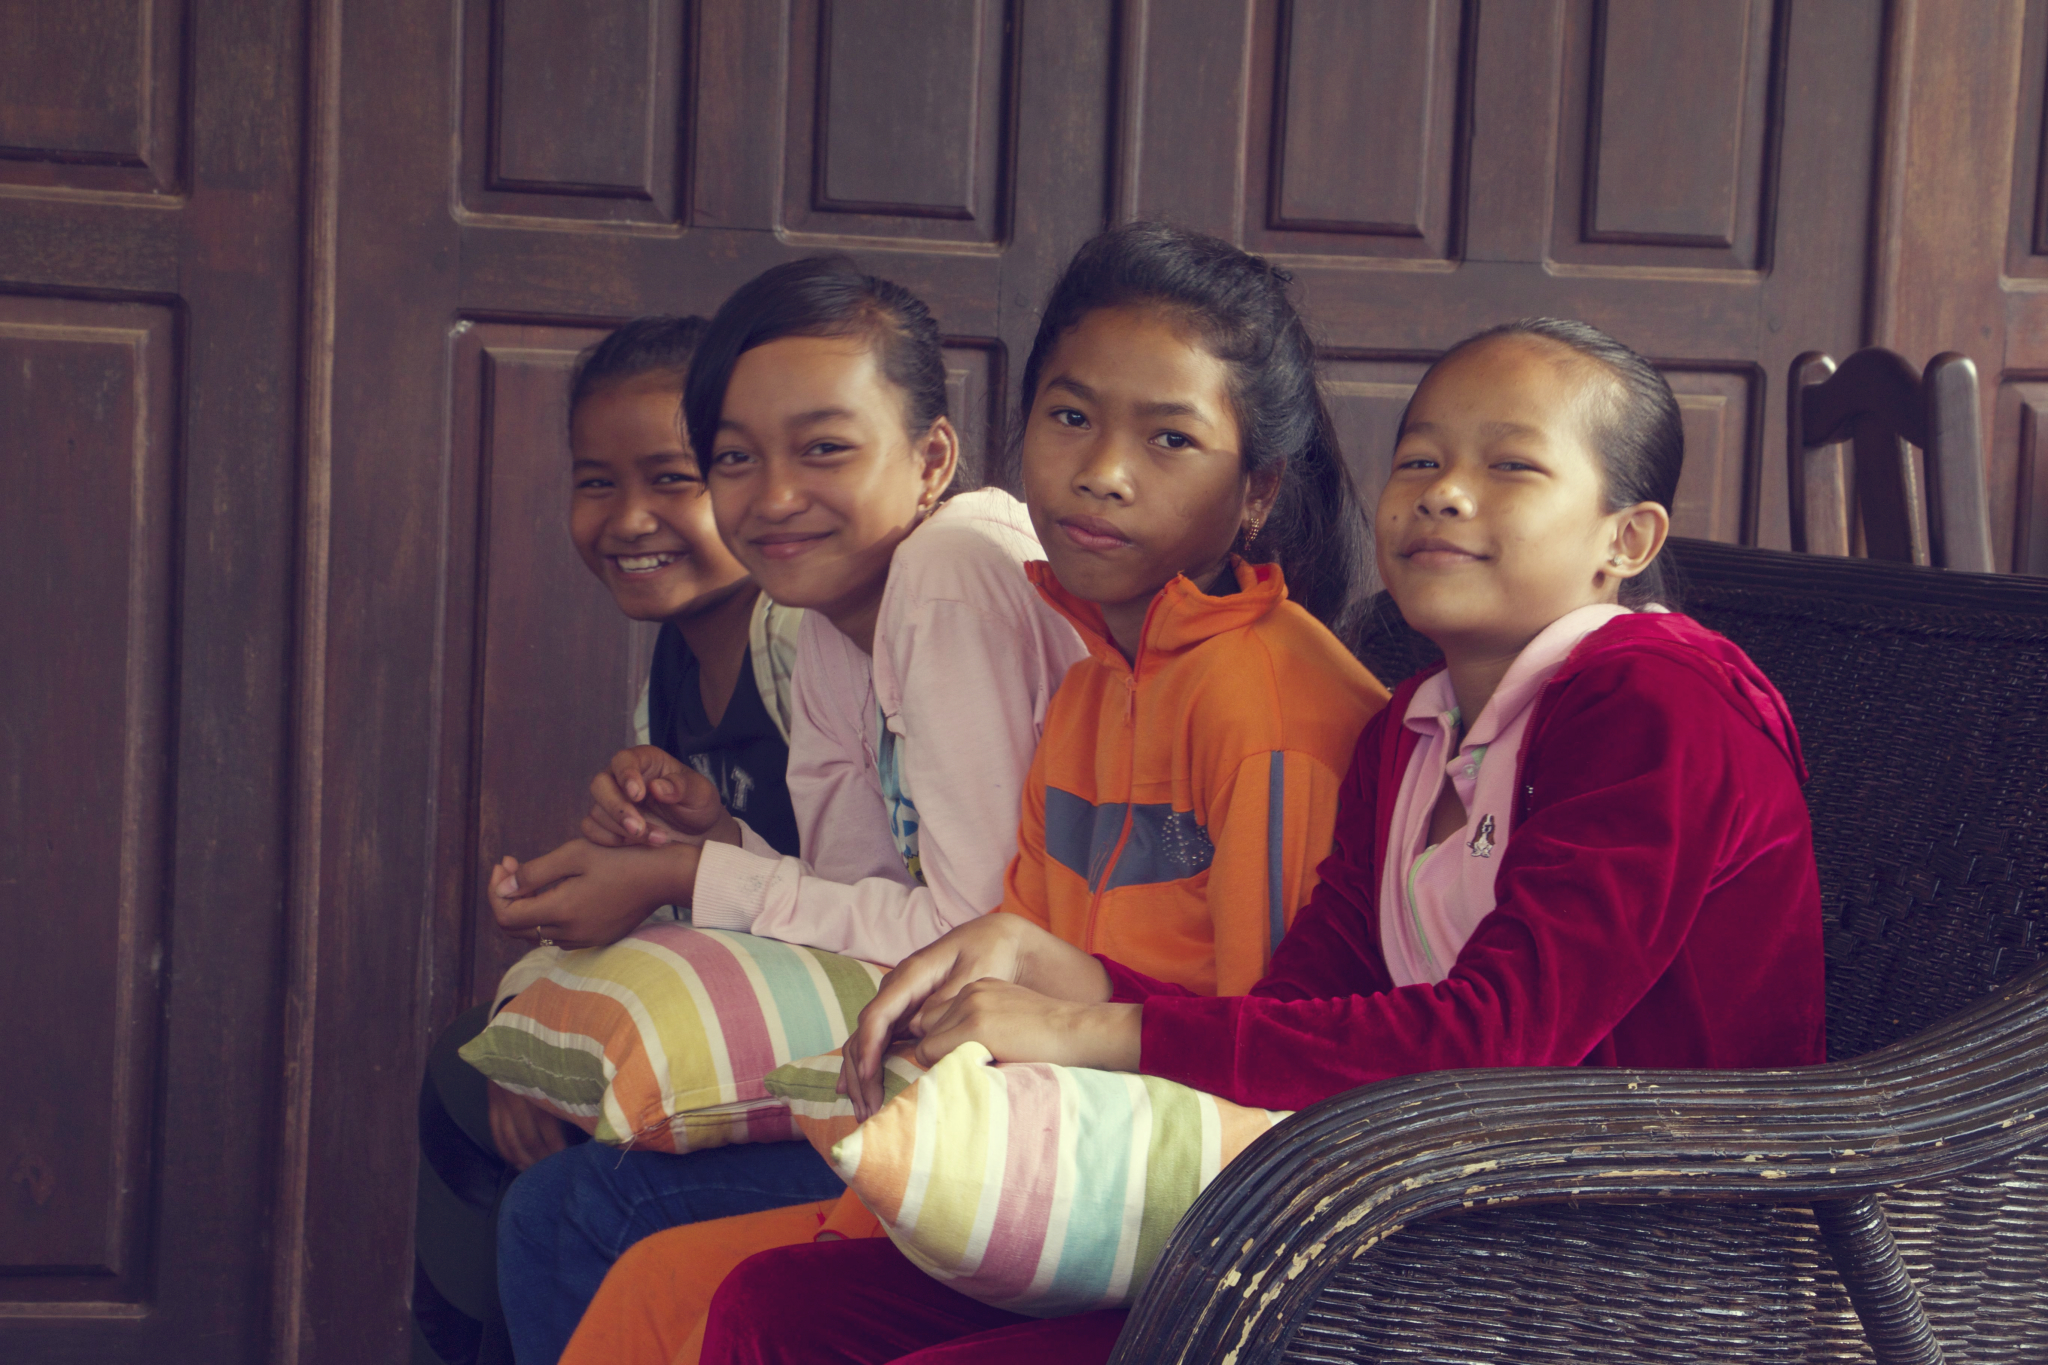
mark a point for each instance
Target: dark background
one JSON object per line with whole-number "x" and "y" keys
{"x": 291, "y": 637}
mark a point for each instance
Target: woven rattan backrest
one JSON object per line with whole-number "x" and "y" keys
{"x": 1921, "y": 698}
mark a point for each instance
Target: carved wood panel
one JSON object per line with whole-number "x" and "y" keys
{"x": 88, "y": 404}
{"x": 91, "y": 95}
{"x": 575, "y": 112}
{"x": 899, "y": 128}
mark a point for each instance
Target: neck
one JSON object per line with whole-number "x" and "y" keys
{"x": 717, "y": 637}
{"x": 1475, "y": 674}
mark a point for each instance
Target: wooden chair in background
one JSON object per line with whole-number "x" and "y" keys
{"x": 1912, "y": 512}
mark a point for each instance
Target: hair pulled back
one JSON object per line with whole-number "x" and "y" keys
{"x": 820, "y": 296}
{"x": 642, "y": 346}
{"x": 1238, "y": 305}
{"x": 1637, "y": 433}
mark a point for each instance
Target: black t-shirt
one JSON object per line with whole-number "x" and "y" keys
{"x": 744, "y": 754}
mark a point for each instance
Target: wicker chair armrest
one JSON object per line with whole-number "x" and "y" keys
{"x": 1328, "y": 1185}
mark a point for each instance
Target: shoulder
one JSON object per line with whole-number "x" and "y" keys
{"x": 973, "y": 549}
{"x": 1666, "y": 684}
{"x": 1285, "y": 682}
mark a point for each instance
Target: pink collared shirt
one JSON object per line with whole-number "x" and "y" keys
{"x": 1432, "y": 898}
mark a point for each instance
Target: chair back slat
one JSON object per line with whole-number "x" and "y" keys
{"x": 1908, "y": 510}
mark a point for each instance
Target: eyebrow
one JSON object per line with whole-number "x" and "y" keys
{"x": 1165, "y": 409}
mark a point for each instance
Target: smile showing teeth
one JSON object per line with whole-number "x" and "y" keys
{"x": 642, "y": 563}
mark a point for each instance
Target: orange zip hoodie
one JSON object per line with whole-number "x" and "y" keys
{"x": 1179, "y": 803}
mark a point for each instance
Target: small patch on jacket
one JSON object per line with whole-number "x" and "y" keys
{"x": 1165, "y": 845}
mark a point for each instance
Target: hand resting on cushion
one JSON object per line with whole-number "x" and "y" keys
{"x": 1003, "y": 982}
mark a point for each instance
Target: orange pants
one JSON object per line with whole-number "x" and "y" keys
{"x": 651, "y": 1307}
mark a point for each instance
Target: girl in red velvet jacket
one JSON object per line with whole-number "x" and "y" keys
{"x": 1580, "y": 841}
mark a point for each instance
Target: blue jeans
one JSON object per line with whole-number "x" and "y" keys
{"x": 565, "y": 1221}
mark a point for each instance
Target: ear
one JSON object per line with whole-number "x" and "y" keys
{"x": 1639, "y": 533}
{"x": 938, "y": 452}
{"x": 1262, "y": 490}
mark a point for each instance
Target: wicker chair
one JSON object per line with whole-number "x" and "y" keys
{"x": 1891, "y": 1205}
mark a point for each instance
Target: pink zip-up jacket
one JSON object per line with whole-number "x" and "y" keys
{"x": 906, "y": 770}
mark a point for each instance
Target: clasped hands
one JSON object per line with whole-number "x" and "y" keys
{"x": 1001, "y": 981}
{"x": 650, "y": 814}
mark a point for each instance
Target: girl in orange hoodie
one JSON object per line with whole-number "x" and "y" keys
{"x": 1184, "y": 478}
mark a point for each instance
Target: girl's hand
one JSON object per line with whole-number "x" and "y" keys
{"x": 648, "y": 796}
{"x": 521, "y": 1130}
{"x": 997, "y": 947}
{"x": 584, "y": 896}
{"x": 1017, "y": 1024}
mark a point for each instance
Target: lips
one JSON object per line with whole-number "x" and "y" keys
{"x": 1433, "y": 553}
{"x": 1093, "y": 533}
{"x": 788, "y": 544}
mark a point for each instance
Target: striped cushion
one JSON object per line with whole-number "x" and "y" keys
{"x": 1036, "y": 1188}
{"x": 661, "y": 1041}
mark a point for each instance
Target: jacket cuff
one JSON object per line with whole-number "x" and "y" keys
{"x": 1190, "y": 1039}
{"x": 732, "y": 887}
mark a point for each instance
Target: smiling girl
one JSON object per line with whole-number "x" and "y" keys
{"x": 924, "y": 669}
{"x": 1579, "y": 842}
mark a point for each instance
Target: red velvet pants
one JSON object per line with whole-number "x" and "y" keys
{"x": 863, "y": 1301}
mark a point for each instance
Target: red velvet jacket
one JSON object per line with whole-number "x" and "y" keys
{"x": 1658, "y": 905}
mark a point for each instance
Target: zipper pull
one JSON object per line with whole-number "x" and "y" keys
{"x": 1131, "y": 698}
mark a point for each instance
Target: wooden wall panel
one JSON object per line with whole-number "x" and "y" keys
{"x": 575, "y": 111}
{"x": 2023, "y": 427}
{"x": 1723, "y": 418}
{"x": 975, "y": 397}
{"x": 1355, "y": 127}
{"x": 88, "y": 412}
{"x": 91, "y": 94}
{"x": 1667, "y": 152}
{"x": 902, "y": 128}
{"x": 1366, "y": 398}
{"x": 557, "y": 669}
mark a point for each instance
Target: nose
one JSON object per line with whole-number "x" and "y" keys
{"x": 778, "y": 491}
{"x": 1445, "y": 497}
{"x": 632, "y": 516}
{"x": 1106, "y": 471}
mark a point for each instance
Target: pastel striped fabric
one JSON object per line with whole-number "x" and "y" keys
{"x": 662, "y": 1040}
{"x": 1036, "y": 1188}
{"x": 811, "y": 1090}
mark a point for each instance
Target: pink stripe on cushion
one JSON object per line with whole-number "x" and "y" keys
{"x": 737, "y": 1011}
{"x": 1030, "y": 1179}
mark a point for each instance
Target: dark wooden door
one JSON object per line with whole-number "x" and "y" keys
{"x": 149, "y": 331}
{"x": 294, "y": 642}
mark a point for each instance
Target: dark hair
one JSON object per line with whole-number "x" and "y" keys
{"x": 642, "y": 346}
{"x": 1638, "y": 434}
{"x": 1238, "y": 305}
{"x": 820, "y": 296}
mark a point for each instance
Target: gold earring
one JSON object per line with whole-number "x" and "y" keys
{"x": 1258, "y": 525}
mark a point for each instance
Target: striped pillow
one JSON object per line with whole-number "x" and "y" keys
{"x": 1036, "y": 1188}
{"x": 661, "y": 1041}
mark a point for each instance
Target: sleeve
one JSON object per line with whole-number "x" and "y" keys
{"x": 1597, "y": 892}
{"x": 1024, "y": 889}
{"x": 972, "y": 708}
{"x": 1270, "y": 826}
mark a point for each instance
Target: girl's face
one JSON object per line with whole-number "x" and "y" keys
{"x": 1494, "y": 521}
{"x": 1131, "y": 463}
{"x": 813, "y": 480}
{"x": 637, "y": 510}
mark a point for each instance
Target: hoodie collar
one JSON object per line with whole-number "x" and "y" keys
{"x": 1181, "y": 615}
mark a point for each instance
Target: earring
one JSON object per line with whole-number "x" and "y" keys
{"x": 1258, "y": 525}
{"x": 1614, "y": 561}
